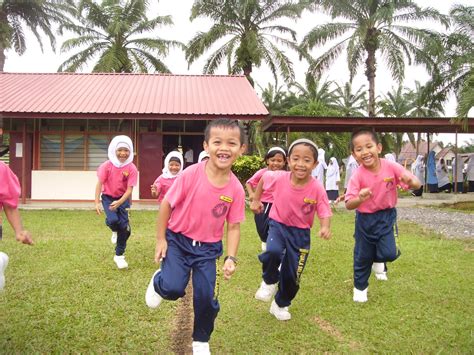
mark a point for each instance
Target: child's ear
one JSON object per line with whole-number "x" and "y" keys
{"x": 379, "y": 148}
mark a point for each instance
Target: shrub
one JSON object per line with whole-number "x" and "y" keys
{"x": 246, "y": 165}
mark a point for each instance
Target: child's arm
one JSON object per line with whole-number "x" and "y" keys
{"x": 117, "y": 203}
{"x": 255, "y": 204}
{"x": 412, "y": 181}
{"x": 233, "y": 239}
{"x": 155, "y": 192}
{"x": 250, "y": 191}
{"x": 161, "y": 225}
{"x": 325, "y": 228}
{"x": 364, "y": 194}
{"x": 98, "y": 190}
{"x": 13, "y": 216}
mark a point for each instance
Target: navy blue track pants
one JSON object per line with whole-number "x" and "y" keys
{"x": 375, "y": 241}
{"x": 182, "y": 256}
{"x": 261, "y": 221}
{"x": 117, "y": 221}
{"x": 288, "y": 246}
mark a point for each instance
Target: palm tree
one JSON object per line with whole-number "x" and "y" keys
{"x": 455, "y": 62}
{"x": 111, "y": 31}
{"x": 315, "y": 91}
{"x": 372, "y": 27}
{"x": 250, "y": 32}
{"x": 350, "y": 103}
{"x": 36, "y": 15}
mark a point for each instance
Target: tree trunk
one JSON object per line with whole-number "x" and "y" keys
{"x": 2, "y": 58}
{"x": 371, "y": 45}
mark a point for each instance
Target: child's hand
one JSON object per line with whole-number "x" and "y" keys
{"x": 98, "y": 207}
{"x": 153, "y": 189}
{"x": 325, "y": 233}
{"x": 229, "y": 268}
{"x": 339, "y": 199}
{"x": 24, "y": 237}
{"x": 408, "y": 181}
{"x": 256, "y": 206}
{"x": 365, "y": 194}
{"x": 114, "y": 205}
{"x": 160, "y": 250}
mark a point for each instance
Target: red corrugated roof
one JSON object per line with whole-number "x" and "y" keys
{"x": 133, "y": 95}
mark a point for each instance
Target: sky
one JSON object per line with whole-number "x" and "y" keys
{"x": 33, "y": 60}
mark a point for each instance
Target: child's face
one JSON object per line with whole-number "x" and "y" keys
{"x": 174, "y": 167}
{"x": 277, "y": 162}
{"x": 122, "y": 154}
{"x": 224, "y": 146}
{"x": 301, "y": 163}
{"x": 366, "y": 151}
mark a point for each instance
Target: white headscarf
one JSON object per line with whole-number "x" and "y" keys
{"x": 418, "y": 168}
{"x": 442, "y": 173}
{"x": 166, "y": 173}
{"x": 321, "y": 159}
{"x": 390, "y": 157}
{"x": 457, "y": 169}
{"x": 332, "y": 175}
{"x": 120, "y": 142}
{"x": 203, "y": 155}
{"x": 351, "y": 165}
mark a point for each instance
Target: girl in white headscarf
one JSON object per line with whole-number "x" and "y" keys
{"x": 203, "y": 156}
{"x": 332, "y": 180}
{"x": 173, "y": 167}
{"x": 351, "y": 165}
{"x": 318, "y": 171}
{"x": 116, "y": 179}
{"x": 418, "y": 169}
{"x": 444, "y": 184}
{"x": 470, "y": 173}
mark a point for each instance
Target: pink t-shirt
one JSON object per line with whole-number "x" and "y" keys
{"x": 115, "y": 181}
{"x": 200, "y": 209}
{"x": 9, "y": 187}
{"x": 255, "y": 179}
{"x": 295, "y": 206}
{"x": 163, "y": 185}
{"x": 383, "y": 185}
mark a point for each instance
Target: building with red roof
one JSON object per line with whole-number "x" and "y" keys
{"x": 60, "y": 124}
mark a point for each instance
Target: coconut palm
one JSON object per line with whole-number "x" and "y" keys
{"x": 372, "y": 26}
{"x": 111, "y": 33}
{"x": 250, "y": 33}
{"x": 36, "y": 15}
{"x": 350, "y": 103}
{"x": 315, "y": 91}
{"x": 455, "y": 59}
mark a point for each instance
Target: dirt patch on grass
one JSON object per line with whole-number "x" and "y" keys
{"x": 328, "y": 328}
{"x": 465, "y": 206}
{"x": 182, "y": 331}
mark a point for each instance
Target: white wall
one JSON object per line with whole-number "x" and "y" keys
{"x": 66, "y": 185}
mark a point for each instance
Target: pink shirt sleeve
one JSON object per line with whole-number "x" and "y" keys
{"x": 9, "y": 187}
{"x": 254, "y": 180}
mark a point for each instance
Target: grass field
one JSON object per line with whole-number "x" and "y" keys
{"x": 65, "y": 295}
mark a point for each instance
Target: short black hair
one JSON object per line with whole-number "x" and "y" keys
{"x": 224, "y": 123}
{"x": 175, "y": 159}
{"x": 307, "y": 143}
{"x": 272, "y": 153}
{"x": 360, "y": 131}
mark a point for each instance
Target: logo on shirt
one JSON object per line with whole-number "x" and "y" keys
{"x": 389, "y": 182}
{"x": 125, "y": 173}
{"x": 309, "y": 205}
{"x": 219, "y": 210}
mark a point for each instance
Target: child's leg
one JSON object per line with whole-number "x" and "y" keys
{"x": 111, "y": 217}
{"x": 387, "y": 249}
{"x": 170, "y": 283}
{"x": 364, "y": 250}
{"x": 293, "y": 263}
{"x": 124, "y": 230}
{"x": 205, "y": 298}
{"x": 261, "y": 222}
{"x": 271, "y": 258}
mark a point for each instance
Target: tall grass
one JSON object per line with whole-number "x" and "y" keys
{"x": 65, "y": 295}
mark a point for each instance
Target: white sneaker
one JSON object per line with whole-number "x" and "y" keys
{"x": 3, "y": 266}
{"x": 120, "y": 261}
{"x": 360, "y": 296}
{"x": 266, "y": 292}
{"x": 113, "y": 239}
{"x": 280, "y": 313}
{"x": 379, "y": 271}
{"x": 153, "y": 299}
{"x": 264, "y": 246}
{"x": 201, "y": 348}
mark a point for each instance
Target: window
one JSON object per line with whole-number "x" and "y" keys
{"x": 50, "y": 152}
{"x": 97, "y": 151}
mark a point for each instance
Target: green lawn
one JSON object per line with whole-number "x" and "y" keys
{"x": 65, "y": 295}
